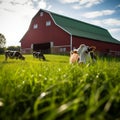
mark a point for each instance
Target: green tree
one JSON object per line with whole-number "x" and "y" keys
{"x": 14, "y": 48}
{"x": 2, "y": 41}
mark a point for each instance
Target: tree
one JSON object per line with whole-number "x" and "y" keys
{"x": 2, "y": 41}
{"x": 14, "y": 48}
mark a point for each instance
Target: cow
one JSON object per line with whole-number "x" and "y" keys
{"x": 91, "y": 50}
{"x": 13, "y": 55}
{"x": 86, "y": 53}
{"x": 82, "y": 54}
{"x": 74, "y": 57}
{"x": 39, "y": 55}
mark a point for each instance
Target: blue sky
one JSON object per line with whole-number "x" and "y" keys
{"x": 16, "y": 15}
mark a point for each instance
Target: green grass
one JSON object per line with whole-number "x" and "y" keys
{"x": 55, "y": 90}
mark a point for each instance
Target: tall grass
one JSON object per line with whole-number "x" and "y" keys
{"x": 55, "y": 90}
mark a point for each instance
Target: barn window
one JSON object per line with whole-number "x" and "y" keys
{"x": 48, "y": 23}
{"x": 41, "y": 14}
{"x": 35, "y": 26}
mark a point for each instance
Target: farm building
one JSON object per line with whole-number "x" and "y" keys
{"x": 53, "y": 33}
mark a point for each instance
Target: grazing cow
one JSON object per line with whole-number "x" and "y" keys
{"x": 39, "y": 55}
{"x": 13, "y": 55}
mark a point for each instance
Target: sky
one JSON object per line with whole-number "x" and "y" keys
{"x": 16, "y": 15}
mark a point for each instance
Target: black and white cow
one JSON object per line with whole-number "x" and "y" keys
{"x": 86, "y": 53}
{"x": 91, "y": 50}
{"x": 39, "y": 55}
{"x": 13, "y": 55}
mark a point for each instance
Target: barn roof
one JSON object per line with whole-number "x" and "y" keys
{"x": 82, "y": 29}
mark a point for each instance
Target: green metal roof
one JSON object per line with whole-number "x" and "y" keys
{"x": 82, "y": 29}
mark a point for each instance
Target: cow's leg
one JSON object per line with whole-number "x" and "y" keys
{"x": 93, "y": 56}
{"x": 42, "y": 56}
{"x": 6, "y": 56}
{"x": 18, "y": 55}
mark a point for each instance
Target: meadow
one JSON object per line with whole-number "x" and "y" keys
{"x": 55, "y": 90}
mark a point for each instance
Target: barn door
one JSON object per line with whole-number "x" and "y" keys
{"x": 43, "y": 47}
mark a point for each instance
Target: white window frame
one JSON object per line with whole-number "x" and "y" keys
{"x": 41, "y": 14}
{"x": 35, "y": 26}
{"x": 48, "y": 23}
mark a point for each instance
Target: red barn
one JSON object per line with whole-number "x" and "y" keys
{"x": 53, "y": 33}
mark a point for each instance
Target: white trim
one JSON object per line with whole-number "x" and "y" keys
{"x": 31, "y": 46}
{"x": 71, "y": 42}
{"x": 51, "y": 44}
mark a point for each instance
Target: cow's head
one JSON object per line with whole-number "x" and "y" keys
{"x": 91, "y": 48}
{"x": 22, "y": 58}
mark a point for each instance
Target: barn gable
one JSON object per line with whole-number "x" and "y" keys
{"x": 82, "y": 29}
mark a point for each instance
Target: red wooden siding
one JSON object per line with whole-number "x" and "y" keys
{"x": 102, "y": 47}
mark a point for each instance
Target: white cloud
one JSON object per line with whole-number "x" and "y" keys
{"x": 112, "y": 22}
{"x": 42, "y": 4}
{"x": 82, "y": 2}
{"x": 69, "y": 1}
{"x": 86, "y": 4}
{"x": 97, "y": 22}
{"x": 115, "y": 30}
{"x": 15, "y": 2}
{"x": 93, "y": 2}
{"x": 107, "y": 22}
{"x": 18, "y": 9}
{"x": 98, "y": 13}
{"x": 118, "y": 5}
{"x": 36, "y": 4}
{"x": 77, "y": 4}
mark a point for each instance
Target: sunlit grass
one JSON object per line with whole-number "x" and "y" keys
{"x": 55, "y": 90}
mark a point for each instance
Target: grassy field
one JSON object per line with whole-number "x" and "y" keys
{"x": 55, "y": 90}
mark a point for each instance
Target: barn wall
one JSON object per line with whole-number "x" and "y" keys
{"x": 44, "y": 34}
{"x": 101, "y": 47}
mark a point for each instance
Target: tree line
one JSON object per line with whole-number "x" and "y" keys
{"x": 2, "y": 45}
